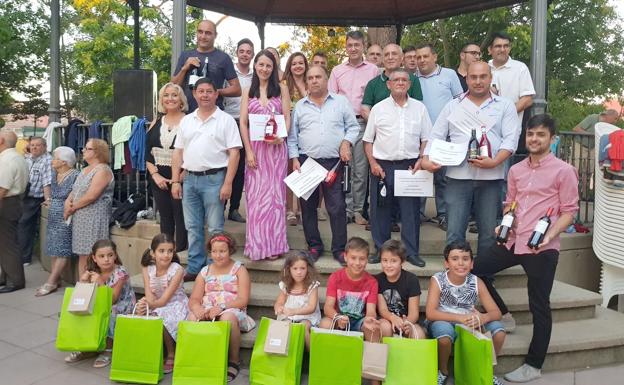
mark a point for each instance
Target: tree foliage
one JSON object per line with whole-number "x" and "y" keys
{"x": 330, "y": 40}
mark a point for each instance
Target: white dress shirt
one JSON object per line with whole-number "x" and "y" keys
{"x": 397, "y": 131}
{"x": 206, "y": 142}
{"x": 513, "y": 81}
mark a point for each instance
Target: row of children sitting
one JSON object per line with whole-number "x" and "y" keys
{"x": 384, "y": 304}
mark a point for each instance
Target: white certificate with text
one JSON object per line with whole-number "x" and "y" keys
{"x": 446, "y": 153}
{"x": 257, "y": 124}
{"x": 303, "y": 183}
{"x": 418, "y": 184}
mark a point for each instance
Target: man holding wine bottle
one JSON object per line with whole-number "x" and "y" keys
{"x": 324, "y": 128}
{"x": 396, "y": 133}
{"x": 206, "y": 61}
{"x": 542, "y": 201}
{"x": 490, "y": 124}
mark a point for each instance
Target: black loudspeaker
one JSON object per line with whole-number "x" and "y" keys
{"x": 134, "y": 93}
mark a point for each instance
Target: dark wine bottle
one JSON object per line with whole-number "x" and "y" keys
{"x": 506, "y": 224}
{"x": 540, "y": 230}
{"x": 473, "y": 145}
{"x": 346, "y": 177}
{"x": 381, "y": 193}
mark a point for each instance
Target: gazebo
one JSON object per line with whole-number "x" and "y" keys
{"x": 374, "y": 13}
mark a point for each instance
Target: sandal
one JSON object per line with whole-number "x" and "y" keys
{"x": 78, "y": 356}
{"x": 232, "y": 371}
{"x": 46, "y": 289}
{"x": 291, "y": 218}
{"x": 168, "y": 365}
{"x": 103, "y": 360}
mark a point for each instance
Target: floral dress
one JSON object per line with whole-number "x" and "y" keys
{"x": 125, "y": 302}
{"x": 219, "y": 289}
{"x": 176, "y": 309}
{"x": 297, "y": 301}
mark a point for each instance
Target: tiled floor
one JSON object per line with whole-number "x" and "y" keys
{"x": 28, "y": 355}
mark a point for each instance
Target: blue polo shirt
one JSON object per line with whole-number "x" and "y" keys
{"x": 438, "y": 88}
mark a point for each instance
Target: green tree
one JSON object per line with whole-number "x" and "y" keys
{"x": 330, "y": 40}
{"x": 24, "y": 38}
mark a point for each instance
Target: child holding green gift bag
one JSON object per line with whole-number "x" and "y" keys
{"x": 452, "y": 297}
{"x": 352, "y": 293}
{"x": 104, "y": 267}
{"x": 399, "y": 293}
{"x": 298, "y": 299}
{"x": 164, "y": 293}
{"x": 221, "y": 292}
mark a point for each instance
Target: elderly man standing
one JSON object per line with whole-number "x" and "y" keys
{"x": 350, "y": 79}
{"x": 480, "y": 179}
{"x": 40, "y": 179}
{"x": 207, "y": 147}
{"x": 13, "y": 180}
{"x": 324, "y": 128}
{"x": 206, "y": 61}
{"x": 396, "y": 133}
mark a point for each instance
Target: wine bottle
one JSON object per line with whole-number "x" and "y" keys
{"x": 331, "y": 176}
{"x": 205, "y": 69}
{"x": 506, "y": 224}
{"x": 193, "y": 78}
{"x": 346, "y": 178}
{"x": 473, "y": 145}
{"x": 485, "y": 149}
{"x": 540, "y": 230}
{"x": 381, "y": 193}
{"x": 270, "y": 129}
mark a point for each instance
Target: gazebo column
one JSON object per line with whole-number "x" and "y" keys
{"x": 538, "y": 55}
{"x": 179, "y": 31}
{"x": 261, "y": 24}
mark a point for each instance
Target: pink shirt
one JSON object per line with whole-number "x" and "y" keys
{"x": 351, "y": 81}
{"x": 550, "y": 182}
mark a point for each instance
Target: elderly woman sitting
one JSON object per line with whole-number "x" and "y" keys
{"x": 59, "y": 234}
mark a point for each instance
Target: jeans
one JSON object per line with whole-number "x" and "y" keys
{"x": 359, "y": 174}
{"x": 459, "y": 194}
{"x": 10, "y": 263}
{"x": 439, "y": 329}
{"x": 335, "y": 204}
{"x": 201, "y": 205}
{"x": 540, "y": 270}
{"x": 381, "y": 217}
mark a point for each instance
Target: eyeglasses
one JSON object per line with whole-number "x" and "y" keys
{"x": 88, "y": 149}
{"x": 475, "y": 53}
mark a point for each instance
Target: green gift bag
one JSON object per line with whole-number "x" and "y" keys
{"x": 411, "y": 361}
{"x": 335, "y": 357}
{"x": 473, "y": 357}
{"x": 137, "y": 349}
{"x": 201, "y": 353}
{"x": 85, "y": 333}
{"x": 271, "y": 369}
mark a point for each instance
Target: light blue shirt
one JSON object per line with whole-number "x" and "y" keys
{"x": 438, "y": 88}
{"x": 318, "y": 131}
{"x": 502, "y": 136}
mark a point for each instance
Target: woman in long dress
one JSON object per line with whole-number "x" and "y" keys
{"x": 265, "y": 170}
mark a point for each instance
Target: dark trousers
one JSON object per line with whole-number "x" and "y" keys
{"x": 28, "y": 227}
{"x": 171, "y": 213}
{"x": 540, "y": 270}
{"x": 336, "y": 209}
{"x": 381, "y": 217}
{"x": 10, "y": 261}
{"x": 238, "y": 183}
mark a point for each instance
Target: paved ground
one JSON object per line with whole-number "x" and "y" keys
{"x": 27, "y": 353}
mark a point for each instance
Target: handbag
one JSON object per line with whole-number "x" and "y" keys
{"x": 374, "y": 359}
{"x": 473, "y": 353}
{"x": 137, "y": 349}
{"x": 85, "y": 333}
{"x": 411, "y": 361}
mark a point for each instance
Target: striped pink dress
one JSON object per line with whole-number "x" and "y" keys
{"x": 265, "y": 193}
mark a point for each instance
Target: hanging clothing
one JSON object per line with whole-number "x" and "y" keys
{"x": 120, "y": 133}
{"x": 49, "y": 136}
{"x": 616, "y": 151}
{"x": 72, "y": 134}
{"x": 95, "y": 130}
{"x": 137, "y": 144}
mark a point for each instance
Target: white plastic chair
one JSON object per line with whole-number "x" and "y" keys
{"x": 608, "y": 241}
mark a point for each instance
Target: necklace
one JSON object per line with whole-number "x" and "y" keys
{"x": 61, "y": 177}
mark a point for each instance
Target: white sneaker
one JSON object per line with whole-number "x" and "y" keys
{"x": 525, "y": 373}
{"x": 496, "y": 381}
{"x": 320, "y": 214}
{"x": 441, "y": 378}
{"x": 508, "y": 322}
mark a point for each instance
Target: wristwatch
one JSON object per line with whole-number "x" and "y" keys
{"x": 222, "y": 306}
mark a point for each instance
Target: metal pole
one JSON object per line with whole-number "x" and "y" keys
{"x": 54, "y": 110}
{"x": 538, "y": 55}
{"x": 137, "y": 38}
{"x": 260, "y": 24}
{"x": 179, "y": 32}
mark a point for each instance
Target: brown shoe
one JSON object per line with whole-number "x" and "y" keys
{"x": 291, "y": 219}
{"x": 359, "y": 219}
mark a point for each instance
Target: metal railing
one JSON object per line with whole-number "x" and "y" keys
{"x": 577, "y": 149}
{"x": 126, "y": 183}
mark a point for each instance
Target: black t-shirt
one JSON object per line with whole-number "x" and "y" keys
{"x": 462, "y": 80}
{"x": 397, "y": 294}
{"x": 220, "y": 68}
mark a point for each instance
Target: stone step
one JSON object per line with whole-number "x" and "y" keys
{"x": 574, "y": 344}
{"x": 567, "y": 302}
{"x": 267, "y": 271}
